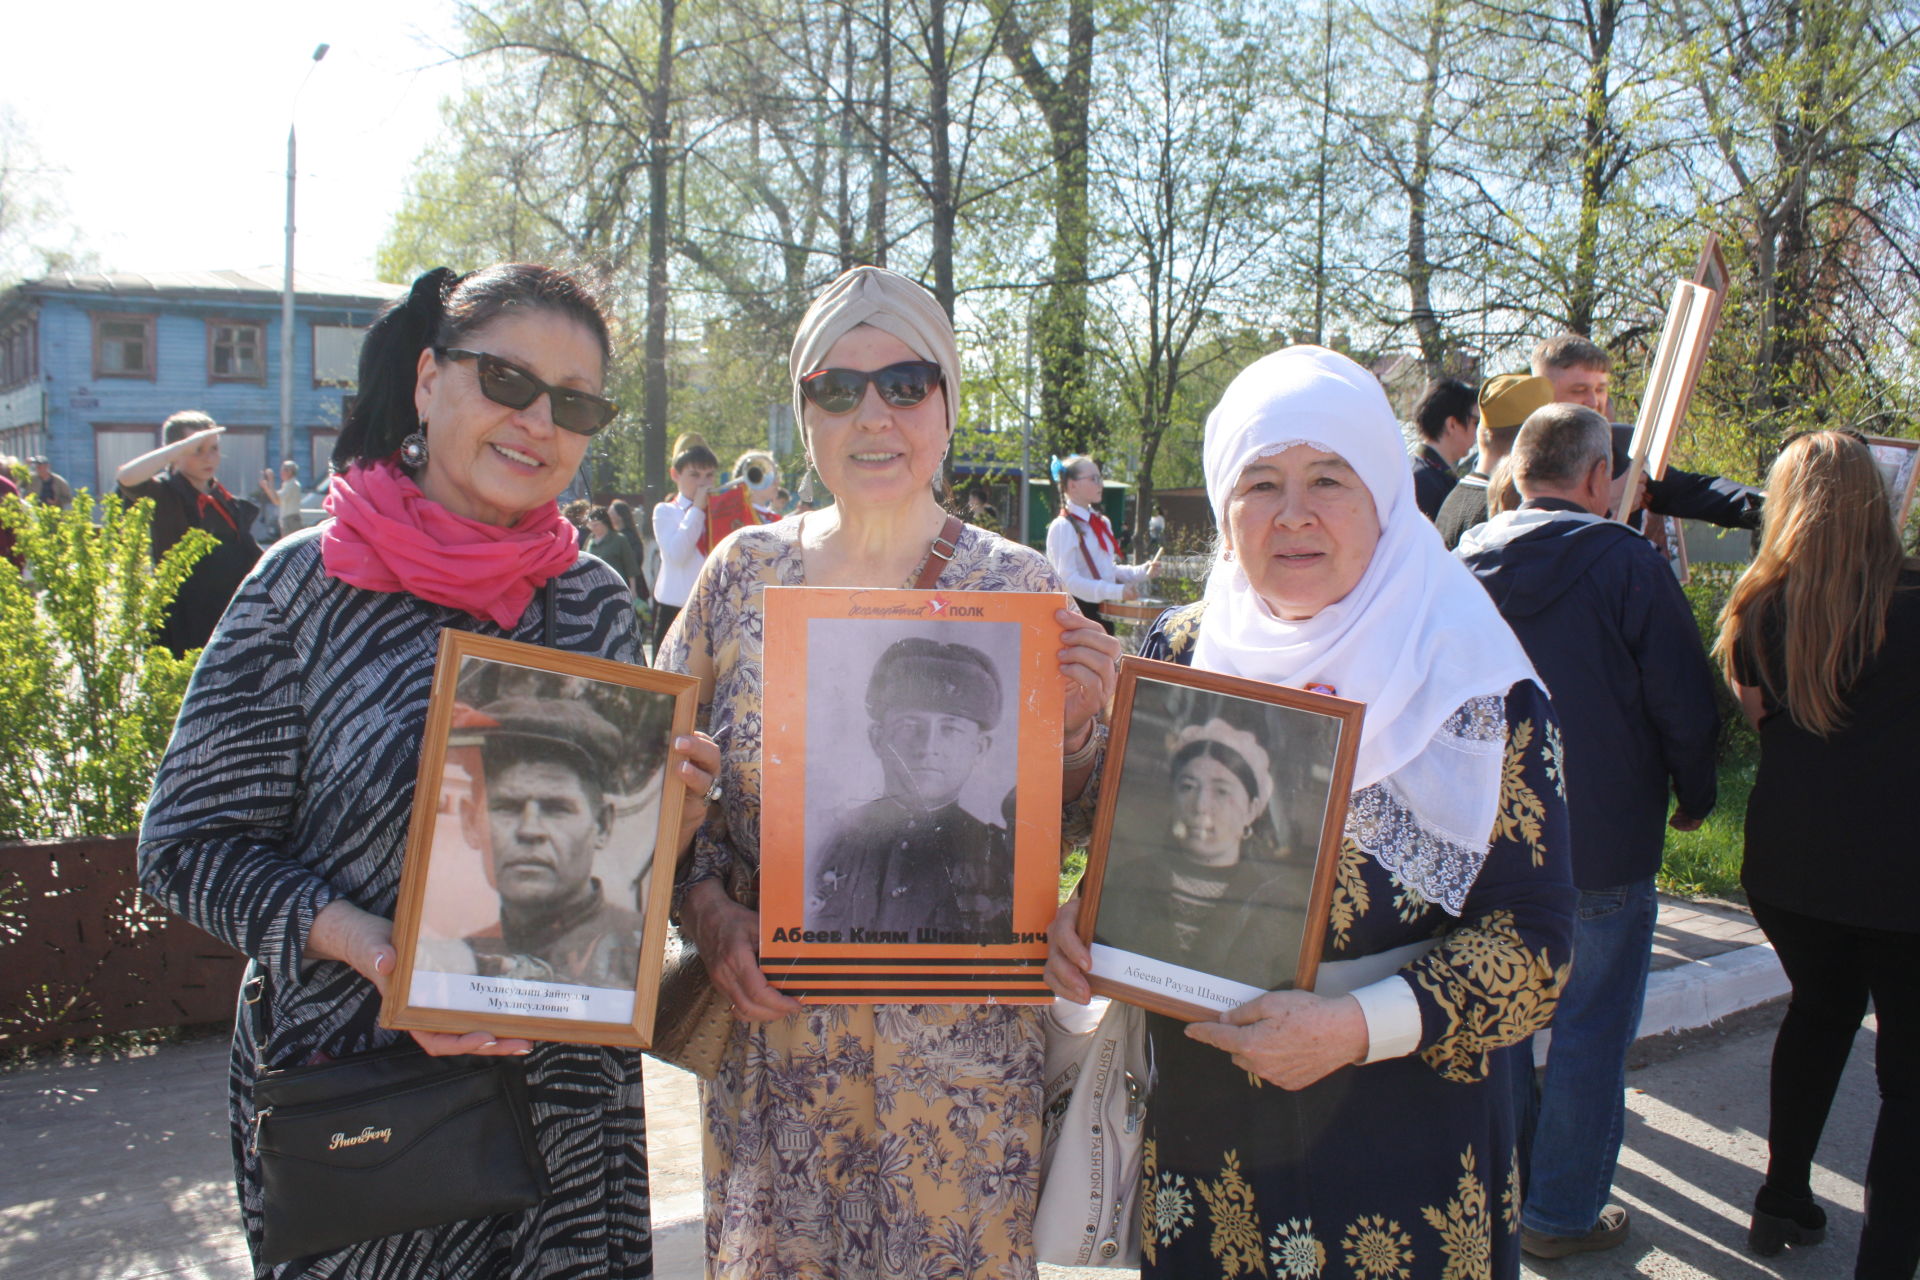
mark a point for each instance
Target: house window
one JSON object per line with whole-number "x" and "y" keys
{"x": 233, "y": 351}
{"x": 17, "y": 356}
{"x": 336, "y": 354}
{"x": 122, "y": 346}
{"x": 320, "y": 442}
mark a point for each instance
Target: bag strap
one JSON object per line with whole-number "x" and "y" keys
{"x": 1080, "y": 533}
{"x": 938, "y": 558}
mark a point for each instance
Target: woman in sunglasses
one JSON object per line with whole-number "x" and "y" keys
{"x": 280, "y": 812}
{"x": 863, "y": 1140}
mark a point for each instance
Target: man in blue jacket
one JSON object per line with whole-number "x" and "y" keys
{"x": 1610, "y": 633}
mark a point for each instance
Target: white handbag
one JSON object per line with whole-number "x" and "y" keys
{"x": 1098, "y": 1074}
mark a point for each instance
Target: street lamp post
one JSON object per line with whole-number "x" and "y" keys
{"x": 286, "y": 287}
{"x": 1026, "y": 424}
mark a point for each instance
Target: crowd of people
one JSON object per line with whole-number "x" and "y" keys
{"x": 1540, "y": 709}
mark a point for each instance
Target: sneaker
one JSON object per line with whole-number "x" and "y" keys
{"x": 1606, "y": 1233}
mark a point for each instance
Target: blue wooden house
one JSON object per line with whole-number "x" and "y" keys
{"x": 91, "y": 365}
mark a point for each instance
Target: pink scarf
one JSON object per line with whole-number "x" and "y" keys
{"x": 388, "y": 536}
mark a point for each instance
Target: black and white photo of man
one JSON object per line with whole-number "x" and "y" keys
{"x": 915, "y": 861}
{"x": 541, "y": 816}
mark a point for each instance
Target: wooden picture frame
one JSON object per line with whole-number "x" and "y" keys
{"x": 1168, "y": 917}
{"x": 1710, "y": 272}
{"x": 898, "y": 872}
{"x": 1899, "y": 463}
{"x": 540, "y": 859}
{"x": 1677, "y": 361}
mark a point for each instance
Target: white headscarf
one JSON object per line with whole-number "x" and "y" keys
{"x": 1417, "y": 640}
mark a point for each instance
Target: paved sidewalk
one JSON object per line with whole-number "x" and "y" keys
{"x": 119, "y": 1168}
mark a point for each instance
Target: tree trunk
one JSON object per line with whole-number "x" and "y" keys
{"x": 1066, "y": 400}
{"x": 1320, "y": 181}
{"x": 1433, "y": 345}
{"x": 1596, "y": 167}
{"x": 659, "y": 166}
{"x": 882, "y": 153}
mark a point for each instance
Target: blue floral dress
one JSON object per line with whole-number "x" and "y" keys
{"x": 1406, "y": 1168}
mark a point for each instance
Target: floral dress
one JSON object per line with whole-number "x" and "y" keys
{"x": 1406, "y": 1168}
{"x": 893, "y": 1140}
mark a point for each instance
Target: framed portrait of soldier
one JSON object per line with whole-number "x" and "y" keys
{"x": 912, "y": 748}
{"x": 1896, "y": 459}
{"x": 540, "y": 858}
{"x": 1218, "y": 831}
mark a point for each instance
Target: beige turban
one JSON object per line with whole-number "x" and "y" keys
{"x": 889, "y": 302}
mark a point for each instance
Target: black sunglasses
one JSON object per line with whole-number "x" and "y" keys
{"x": 901, "y": 385}
{"x": 506, "y": 383}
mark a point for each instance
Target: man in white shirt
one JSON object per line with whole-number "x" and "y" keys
{"x": 287, "y": 496}
{"x": 679, "y": 526}
{"x": 1082, "y": 548}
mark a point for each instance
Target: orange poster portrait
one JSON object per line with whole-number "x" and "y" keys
{"x": 910, "y": 846}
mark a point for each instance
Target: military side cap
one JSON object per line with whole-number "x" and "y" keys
{"x": 561, "y": 728}
{"x": 918, "y": 674}
{"x": 1506, "y": 401}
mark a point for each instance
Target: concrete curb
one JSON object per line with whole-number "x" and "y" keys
{"x": 1700, "y": 992}
{"x": 1706, "y": 990}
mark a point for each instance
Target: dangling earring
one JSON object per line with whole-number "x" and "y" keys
{"x": 1226, "y": 554}
{"x": 413, "y": 449}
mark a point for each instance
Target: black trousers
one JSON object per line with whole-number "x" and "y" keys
{"x": 663, "y": 616}
{"x": 1833, "y": 969}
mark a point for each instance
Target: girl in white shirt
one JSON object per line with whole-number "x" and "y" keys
{"x": 1082, "y": 547}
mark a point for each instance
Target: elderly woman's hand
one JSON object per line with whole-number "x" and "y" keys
{"x": 1087, "y": 658}
{"x": 699, "y": 765}
{"x": 1068, "y": 959}
{"x": 342, "y": 931}
{"x": 1289, "y": 1038}
{"x": 727, "y": 935}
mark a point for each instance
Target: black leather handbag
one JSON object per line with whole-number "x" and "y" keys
{"x": 390, "y": 1141}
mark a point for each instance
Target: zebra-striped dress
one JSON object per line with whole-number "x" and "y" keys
{"x": 289, "y": 782}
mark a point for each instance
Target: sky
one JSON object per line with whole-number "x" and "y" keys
{"x": 162, "y": 128}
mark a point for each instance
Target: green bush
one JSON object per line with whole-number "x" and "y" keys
{"x": 1707, "y": 861}
{"x": 87, "y": 700}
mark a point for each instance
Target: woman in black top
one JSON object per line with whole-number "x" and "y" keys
{"x": 182, "y": 479}
{"x": 620, "y": 516}
{"x": 1821, "y": 641}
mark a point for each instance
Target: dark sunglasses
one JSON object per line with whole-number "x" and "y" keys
{"x": 901, "y": 385}
{"x": 506, "y": 383}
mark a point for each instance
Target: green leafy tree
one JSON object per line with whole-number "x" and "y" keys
{"x": 87, "y": 700}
